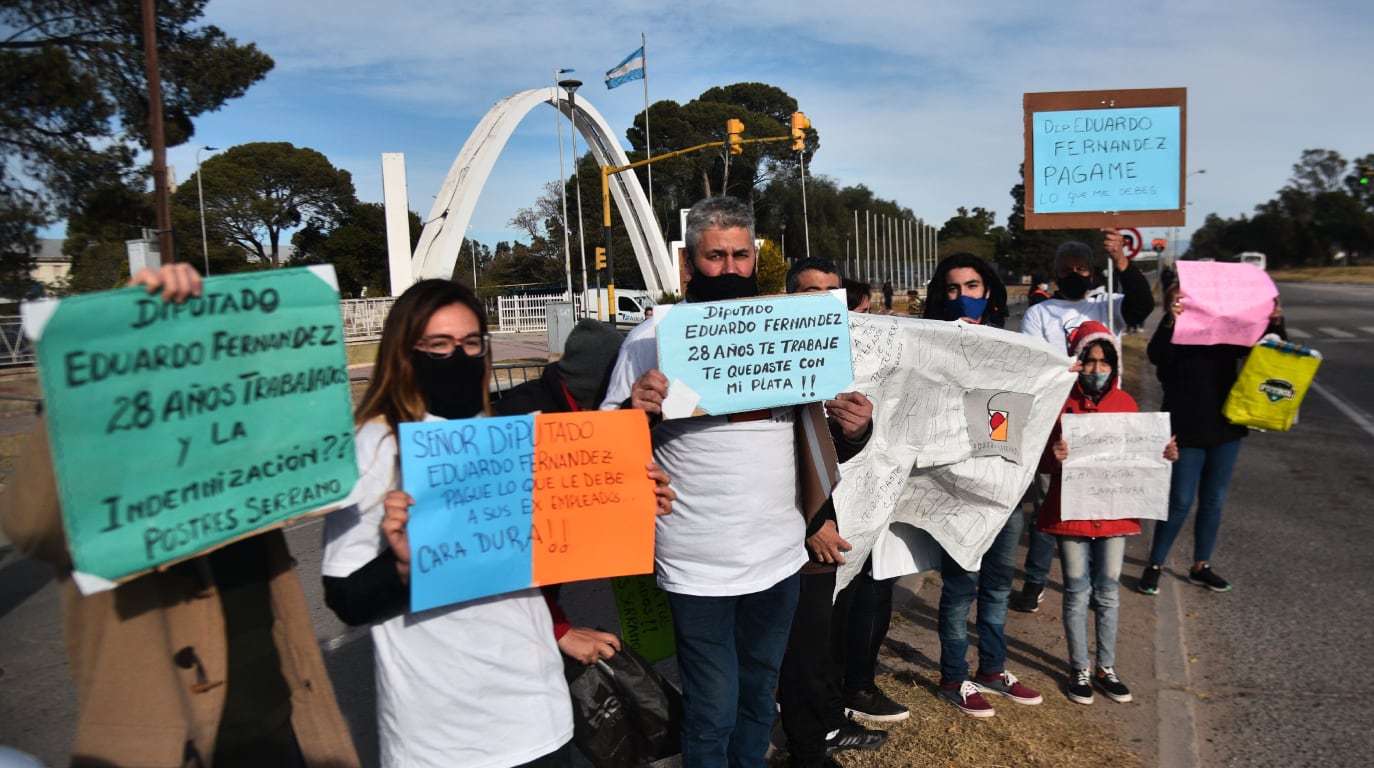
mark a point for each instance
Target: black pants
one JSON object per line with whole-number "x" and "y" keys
{"x": 809, "y": 683}
{"x": 870, "y": 616}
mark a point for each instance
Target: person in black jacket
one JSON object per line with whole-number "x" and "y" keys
{"x": 1196, "y": 380}
{"x": 576, "y": 381}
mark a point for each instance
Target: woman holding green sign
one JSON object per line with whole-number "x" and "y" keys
{"x": 479, "y": 683}
{"x": 211, "y": 661}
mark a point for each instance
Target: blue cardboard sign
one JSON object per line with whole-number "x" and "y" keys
{"x": 473, "y": 485}
{"x": 1106, "y": 159}
{"x": 733, "y": 356}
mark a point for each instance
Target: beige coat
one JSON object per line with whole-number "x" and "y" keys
{"x": 149, "y": 658}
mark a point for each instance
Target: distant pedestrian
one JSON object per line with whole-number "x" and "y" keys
{"x": 887, "y": 295}
{"x": 1091, "y": 551}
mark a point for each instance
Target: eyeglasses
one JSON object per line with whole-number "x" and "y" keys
{"x": 443, "y": 346}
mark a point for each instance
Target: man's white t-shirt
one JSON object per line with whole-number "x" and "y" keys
{"x": 476, "y": 684}
{"x": 736, "y": 526}
{"x": 1054, "y": 319}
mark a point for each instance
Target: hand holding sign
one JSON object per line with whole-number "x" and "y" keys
{"x": 750, "y": 354}
{"x": 502, "y": 504}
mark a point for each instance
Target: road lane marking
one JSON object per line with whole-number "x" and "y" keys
{"x": 1337, "y": 333}
{"x": 1367, "y": 329}
{"x": 1360, "y": 418}
{"x": 1295, "y": 333}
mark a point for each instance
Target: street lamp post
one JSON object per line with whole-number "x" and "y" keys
{"x": 563, "y": 187}
{"x": 571, "y": 87}
{"x": 1173, "y": 238}
{"x": 200, "y": 198}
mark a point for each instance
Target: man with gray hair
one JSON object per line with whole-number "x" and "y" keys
{"x": 730, "y": 553}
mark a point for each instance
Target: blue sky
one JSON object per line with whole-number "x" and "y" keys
{"x": 921, "y": 102}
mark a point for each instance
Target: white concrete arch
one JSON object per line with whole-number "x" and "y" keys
{"x": 437, "y": 252}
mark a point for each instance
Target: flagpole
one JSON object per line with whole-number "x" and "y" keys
{"x": 648, "y": 144}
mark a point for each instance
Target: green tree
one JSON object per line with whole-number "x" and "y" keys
{"x": 73, "y": 97}
{"x": 256, "y": 192}
{"x": 104, "y": 218}
{"x": 771, "y": 269}
{"x": 356, "y": 246}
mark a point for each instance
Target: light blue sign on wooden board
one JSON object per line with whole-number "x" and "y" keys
{"x": 733, "y": 356}
{"x": 1106, "y": 159}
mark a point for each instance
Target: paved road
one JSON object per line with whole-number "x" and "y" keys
{"x": 1276, "y": 667}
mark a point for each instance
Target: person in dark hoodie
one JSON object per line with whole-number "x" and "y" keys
{"x": 576, "y": 381}
{"x": 965, "y": 288}
{"x": 1196, "y": 380}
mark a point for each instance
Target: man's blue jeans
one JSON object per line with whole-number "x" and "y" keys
{"x": 992, "y": 586}
{"x": 729, "y": 650}
{"x": 1201, "y": 473}
{"x": 1092, "y": 572}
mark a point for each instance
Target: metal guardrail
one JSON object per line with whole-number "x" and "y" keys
{"x": 15, "y": 349}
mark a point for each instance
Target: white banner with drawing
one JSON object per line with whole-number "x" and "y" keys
{"x": 961, "y": 414}
{"x": 1116, "y": 467}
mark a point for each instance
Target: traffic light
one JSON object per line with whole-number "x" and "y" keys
{"x": 600, "y": 258}
{"x": 1365, "y": 173}
{"x": 735, "y": 127}
{"x": 799, "y": 126}
{"x": 1158, "y": 244}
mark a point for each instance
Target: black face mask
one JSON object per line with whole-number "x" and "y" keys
{"x": 1074, "y": 286}
{"x": 452, "y": 386}
{"x": 703, "y": 288}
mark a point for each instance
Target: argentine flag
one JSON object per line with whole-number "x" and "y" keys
{"x": 632, "y": 68}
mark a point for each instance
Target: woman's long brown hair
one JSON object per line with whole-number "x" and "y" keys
{"x": 393, "y": 393}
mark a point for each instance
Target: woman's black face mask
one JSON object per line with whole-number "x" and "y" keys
{"x": 452, "y": 385}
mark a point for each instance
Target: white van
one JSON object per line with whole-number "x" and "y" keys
{"x": 1252, "y": 257}
{"x": 630, "y": 305}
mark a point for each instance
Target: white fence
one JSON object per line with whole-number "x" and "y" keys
{"x": 528, "y": 312}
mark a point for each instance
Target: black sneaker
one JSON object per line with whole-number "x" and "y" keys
{"x": 1080, "y": 687}
{"x": 851, "y": 735}
{"x": 1111, "y": 685}
{"x": 873, "y": 704}
{"x": 1206, "y": 577}
{"x": 1149, "y": 580}
{"x": 1030, "y": 597}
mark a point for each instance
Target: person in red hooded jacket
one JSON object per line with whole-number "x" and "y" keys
{"x": 1090, "y": 551}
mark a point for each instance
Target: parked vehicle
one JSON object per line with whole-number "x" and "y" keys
{"x": 630, "y": 305}
{"x": 1252, "y": 257}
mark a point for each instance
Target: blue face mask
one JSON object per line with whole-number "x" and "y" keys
{"x": 1094, "y": 382}
{"x": 965, "y": 306}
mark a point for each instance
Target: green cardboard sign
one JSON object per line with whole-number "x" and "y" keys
{"x": 646, "y": 622}
{"x": 176, "y": 428}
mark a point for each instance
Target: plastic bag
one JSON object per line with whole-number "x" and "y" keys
{"x": 1271, "y": 385}
{"x": 624, "y": 713}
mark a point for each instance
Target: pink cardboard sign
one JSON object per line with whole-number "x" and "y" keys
{"x": 1223, "y": 303}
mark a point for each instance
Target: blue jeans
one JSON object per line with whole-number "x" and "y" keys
{"x": 1040, "y": 545}
{"x": 1202, "y": 473}
{"x": 1092, "y": 569}
{"x": 992, "y": 586}
{"x": 728, "y": 653}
